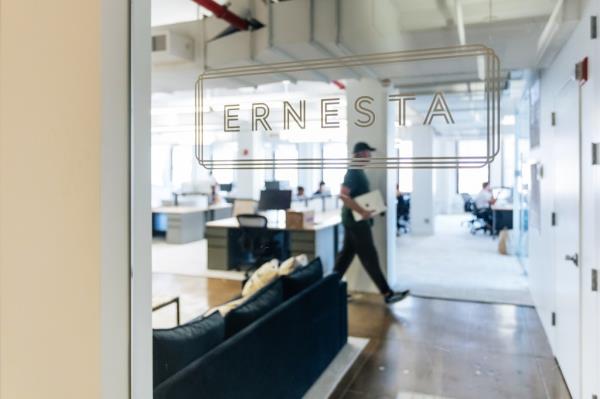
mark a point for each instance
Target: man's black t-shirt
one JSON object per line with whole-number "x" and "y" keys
{"x": 358, "y": 184}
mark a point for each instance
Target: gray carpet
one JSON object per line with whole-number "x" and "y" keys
{"x": 454, "y": 264}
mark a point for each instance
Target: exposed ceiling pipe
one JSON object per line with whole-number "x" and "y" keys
{"x": 460, "y": 23}
{"x": 223, "y": 13}
{"x": 550, "y": 30}
{"x": 339, "y": 84}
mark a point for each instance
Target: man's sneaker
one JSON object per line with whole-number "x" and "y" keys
{"x": 394, "y": 297}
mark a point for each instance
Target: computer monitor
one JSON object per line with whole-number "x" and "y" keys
{"x": 226, "y": 187}
{"x": 272, "y": 185}
{"x": 275, "y": 200}
{"x": 277, "y": 185}
{"x": 503, "y": 194}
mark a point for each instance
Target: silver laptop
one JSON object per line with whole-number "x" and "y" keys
{"x": 372, "y": 201}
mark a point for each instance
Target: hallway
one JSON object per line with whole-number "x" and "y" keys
{"x": 450, "y": 349}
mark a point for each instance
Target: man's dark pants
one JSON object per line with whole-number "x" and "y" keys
{"x": 358, "y": 240}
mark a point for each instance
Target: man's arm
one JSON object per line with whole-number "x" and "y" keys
{"x": 350, "y": 203}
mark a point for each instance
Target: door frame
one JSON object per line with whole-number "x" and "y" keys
{"x": 140, "y": 228}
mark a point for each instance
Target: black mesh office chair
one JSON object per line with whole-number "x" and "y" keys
{"x": 257, "y": 242}
{"x": 480, "y": 220}
{"x": 403, "y": 213}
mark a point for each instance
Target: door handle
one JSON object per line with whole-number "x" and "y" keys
{"x": 573, "y": 258}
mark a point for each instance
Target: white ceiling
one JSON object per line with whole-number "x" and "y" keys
{"x": 431, "y": 14}
{"x": 411, "y": 14}
{"x": 165, "y": 12}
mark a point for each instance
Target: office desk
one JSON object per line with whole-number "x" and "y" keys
{"x": 321, "y": 239}
{"x": 187, "y": 223}
{"x": 502, "y": 218}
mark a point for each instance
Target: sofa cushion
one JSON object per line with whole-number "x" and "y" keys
{"x": 289, "y": 265}
{"x": 177, "y": 347}
{"x": 259, "y": 304}
{"x": 226, "y": 307}
{"x": 302, "y": 278}
{"x": 261, "y": 277}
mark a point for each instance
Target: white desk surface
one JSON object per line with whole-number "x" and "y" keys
{"x": 323, "y": 220}
{"x": 190, "y": 209}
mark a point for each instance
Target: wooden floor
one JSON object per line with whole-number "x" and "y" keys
{"x": 433, "y": 348}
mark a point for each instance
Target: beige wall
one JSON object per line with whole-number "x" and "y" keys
{"x": 51, "y": 210}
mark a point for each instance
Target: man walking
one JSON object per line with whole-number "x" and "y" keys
{"x": 358, "y": 238}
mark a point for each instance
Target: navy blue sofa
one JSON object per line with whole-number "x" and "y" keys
{"x": 279, "y": 355}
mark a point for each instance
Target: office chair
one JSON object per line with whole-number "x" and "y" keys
{"x": 468, "y": 202}
{"x": 479, "y": 217}
{"x": 484, "y": 220}
{"x": 402, "y": 214}
{"x": 258, "y": 244}
{"x": 244, "y": 206}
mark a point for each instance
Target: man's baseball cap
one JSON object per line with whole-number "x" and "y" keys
{"x": 362, "y": 146}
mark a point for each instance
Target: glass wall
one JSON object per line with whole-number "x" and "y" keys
{"x": 524, "y": 125}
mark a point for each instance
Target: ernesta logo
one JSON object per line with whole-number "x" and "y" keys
{"x": 329, "y": 108}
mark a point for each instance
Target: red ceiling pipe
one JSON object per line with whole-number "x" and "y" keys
{"x": 339, "y": 84}
{"x": 222, "y": 12}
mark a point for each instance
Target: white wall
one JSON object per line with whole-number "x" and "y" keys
{"x": 542, "y": 262}
{"x": 64, "y": 299}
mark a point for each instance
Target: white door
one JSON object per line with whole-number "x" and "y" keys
{"x": 567, "y": 195}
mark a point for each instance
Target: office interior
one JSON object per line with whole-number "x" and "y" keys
{"x": 117, "y": 240}
{"x": 435, "y": 241}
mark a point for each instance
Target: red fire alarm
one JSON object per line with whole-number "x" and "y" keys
{"x": 245, "y": 152}
{"x": 581, "y": 71}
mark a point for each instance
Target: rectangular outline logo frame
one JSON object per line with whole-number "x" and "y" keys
{"x": 492, "y": 93}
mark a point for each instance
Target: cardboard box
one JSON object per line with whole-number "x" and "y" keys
{"x": 299, "y": 219}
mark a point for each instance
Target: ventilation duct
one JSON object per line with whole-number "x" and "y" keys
{"x": 169, "y": 48}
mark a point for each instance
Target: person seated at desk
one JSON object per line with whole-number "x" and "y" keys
{"x": 300, "y": 194}
{"x": 322, "y": 190}
{"x": 484, "y": 201}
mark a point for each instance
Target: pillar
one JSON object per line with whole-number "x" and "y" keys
{"x": 309, "y": 178}
{"x": 445, "y": 180}
{"x": 422, "y": 197}
{"x": 249, "y": 182}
